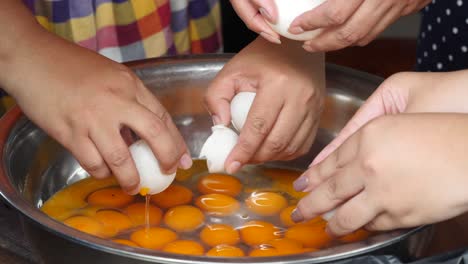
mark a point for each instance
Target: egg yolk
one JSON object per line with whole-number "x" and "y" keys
{"x": 283, "y": 179}
{"x": 263, "y": 252}
{"x": 113, "y": 197}
{"x": 358, "y": 235}
{"x": 174, "y": 195}
{"x": 286, "y": 246}
{"x": 225, "y": 251}
{"x": 154, "y": 237}
{"x": 217, "y": 204}
{"x": 137, "y": 212}
{"x": 310, "y": 235}
{"x": 85, "y": 224}
{"x": 221, "y": 184}
{"x": 125, "y": 242}
{"x": 286, "y": 220}
{"x": 184, "y": 218}
{"x": 266, "y": 203}
{"x": 217, "y": 234}
{"x": 186, "y": 247}
{"x": 113, "y": 222}
{"x": 258, "y": 232}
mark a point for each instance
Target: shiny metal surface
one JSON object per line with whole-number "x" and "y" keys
{"x": 35, "y": 167}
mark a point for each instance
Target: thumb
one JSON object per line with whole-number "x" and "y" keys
{"x": 385, "y": 100}
{"x": 218, "y": 100}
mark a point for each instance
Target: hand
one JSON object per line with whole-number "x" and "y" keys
{"x": 395, "y": 172}
{"x": 351, "y": 22}
{"x": 284, "y": 117}
{"x": 254, "y": 13}
{"x": 83, "y": 100}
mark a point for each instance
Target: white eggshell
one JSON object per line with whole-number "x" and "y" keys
{"x": 328, "y": 215}
{"x": 217, "y": 147}
{"x": 240, "y": 106}
{"x": 151, "y": 176}
{"x": 288, "y": 10}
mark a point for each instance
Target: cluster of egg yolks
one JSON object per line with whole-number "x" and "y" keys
{"x": 217, "y": 204}
{"x": 220, "y": 183}
{"x": 125, "y": 242}
{"x": 358, "y": 235}
{"x": 225, "y": 251}
{"x": 186, "y": 247}
{"x": 310, "y": 235}
{"x": 113, "y": 197}
{"x": 184, "y": 218}
{"x": 219, "y": 234}
{"x": 266, "y": 203}
{"x": 154, "y": 237}
{"x": 113, "y": 222}
{"x": 255, "y": 233}
{"x": 174, "y": 195}
{"x": 137, "y": 211}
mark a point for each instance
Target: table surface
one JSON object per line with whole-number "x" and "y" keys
{"x": 388, "y": 57}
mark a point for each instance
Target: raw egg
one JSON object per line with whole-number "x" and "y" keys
{"x": 217, "y": 147}
{"x": 225, "y": 251}
{"x": 174, "y": 195}
{"x": 125, "y": 242}
{"x": 185, "y": 247}
{"x": 266, "y": 203}
{"x": 113, "y": 222}
{"x": 220, "y": 183}
{"x": 113, "y": 197}
{"x": 263, "y": 252}
{"x": 217, "y": 234}
{"x": 258, "y": 232}
{"x": 152, "y": 179}
{"x": 287, "y": 11}
{"x": 286, "y": 246}
{"x": 137, "y": 213}
{"x": 184, "y": 218}
{"x": 85, "y": 224}
{"x": 217, "y": 204}
{"x": 154, "y": 237}
{"x": 310, "y": 235}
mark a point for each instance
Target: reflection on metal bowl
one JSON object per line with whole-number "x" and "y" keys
{"x": 34, "y": 167}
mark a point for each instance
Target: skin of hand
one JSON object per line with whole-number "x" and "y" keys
{"x": 344, "y": 22}
{"x": 284, "y": 117}
{"x": 384, "y": 168}
{"x": 84, "y": 100}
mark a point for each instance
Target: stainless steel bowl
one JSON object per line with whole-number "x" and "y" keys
{"x": 34, "y": 167}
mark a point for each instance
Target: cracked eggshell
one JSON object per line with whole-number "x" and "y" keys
{"x": 240, "y": 106}
{"x": 287, "y": 11}
{"x": 152, "y": 179}
{"x": 217, "y": 147}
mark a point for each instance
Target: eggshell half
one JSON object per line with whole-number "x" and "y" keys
{"x": 217, "y": 147}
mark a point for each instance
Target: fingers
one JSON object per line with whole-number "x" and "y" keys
{"x": 330, "y": 13}
{"x": 267, "y": 8}
{"x": 254, "y": 20}
{"x": 352, "y": 215}
{"x": 351, "y": 32}
{"x": 117, "y": 156}
{"x": 89, "y": 157}
{"x": 303, "y": 140}
{"x": 279, "y": 139}
{"x": 260, "y": 121}
{"x": 337, "y": 189}
{"x": 218, "y": 98}
{"x": 166, "y": 146}
{"x": 391, "y": 16}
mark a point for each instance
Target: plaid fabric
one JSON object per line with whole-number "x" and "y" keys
{"x": 125, "y": 30}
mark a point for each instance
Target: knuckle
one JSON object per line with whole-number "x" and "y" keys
{"x": 334, "y": 16}
{"x": 259, "y": 126}
{"x": 347, "y": 36}
{"x": 275, "y": 145}
{"x": 344, "y": 223}
{"x": 96, "y": 168}
{"x": 291, "y": 150}
{"x": 119, "y": 157}
{"x": 332, "y": 189}
{"x": 246, "y": 146}
{"x": 154, "y": 127}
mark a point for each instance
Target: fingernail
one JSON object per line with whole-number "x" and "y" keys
{"x": 186, "y": 162}
{"x": 270, "y": 38}
{"x": 233, "y": 167}
{"x": 216, "y": 120}
{"x": 265, "y": 14}
{"x": 296, "y": 216}
{"x": 296, "y": 30}
{"x": 301, "y": 183}
{"x": 308, "y": 48}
